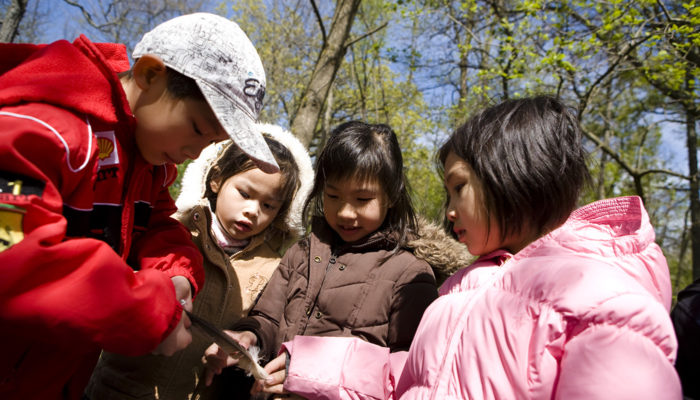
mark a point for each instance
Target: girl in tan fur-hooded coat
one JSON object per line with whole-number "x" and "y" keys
{"x": 242, "y": 220}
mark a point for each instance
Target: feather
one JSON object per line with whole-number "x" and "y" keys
{"x": 247, "y": 359}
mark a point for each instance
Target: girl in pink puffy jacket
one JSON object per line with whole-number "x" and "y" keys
{"x": 562, "y": 303}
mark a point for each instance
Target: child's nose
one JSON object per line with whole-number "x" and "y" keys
{"x": 451, "y": 214}
{"x": 346, "y": 211}
{"x": 252, "y": 208}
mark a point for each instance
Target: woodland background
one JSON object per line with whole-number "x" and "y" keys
{"x": 629, "y": 68}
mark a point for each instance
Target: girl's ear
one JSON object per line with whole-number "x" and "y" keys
{"x": 215, "y": 182}
{"x": 215, "y": 185}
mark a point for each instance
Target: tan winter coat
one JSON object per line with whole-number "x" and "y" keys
{"x": 231, "y": 286}
{"x": 359, "y": 290}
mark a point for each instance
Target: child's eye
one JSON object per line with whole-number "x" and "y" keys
{"x": 244, "y": 194}
{"x": 270, "y": 207}
{"x": 196, "y": 129}
{"x": 458, "y": 187}
{"x": 365, "y": 199}
{"x": 331, "y": 196}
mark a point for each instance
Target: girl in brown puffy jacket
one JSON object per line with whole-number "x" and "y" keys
{"x": 356, "y": 274}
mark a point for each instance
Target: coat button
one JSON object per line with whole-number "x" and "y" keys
{"x": 317, "y": 259}
{"x": 318, "y": 315}
{"x": 341, "y": 267}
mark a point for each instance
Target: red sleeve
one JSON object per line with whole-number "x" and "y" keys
{"x": 167, "y": 245}
{"x": 72, "y": 290}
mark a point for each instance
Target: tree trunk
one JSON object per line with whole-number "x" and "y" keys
{"x": 306, "y": 118}
{"x": 463, "y": 78}
{"x": 692, "y": 139}
{"x": 13, "y": 16}
{"x": 607, "y": 133}
{"x": 327, "y": 117}
{"x": 685, "y": 236}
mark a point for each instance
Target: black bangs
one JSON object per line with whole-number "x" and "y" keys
{"x": 367, "y": 152}
{"x": 529, "y": 155}
{"x": 356, "y": 159}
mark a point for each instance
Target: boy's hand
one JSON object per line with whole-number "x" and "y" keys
{"x": 215, "y": 359}
{"x": 181, "y": 336}
{"x": 183, "y": 291}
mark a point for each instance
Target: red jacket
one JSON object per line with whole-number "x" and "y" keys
{"x": 80, "y": 211}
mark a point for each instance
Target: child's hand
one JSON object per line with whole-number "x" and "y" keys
{"x": 215, "y": 359}
{"x": 181, "y": 336}
{"x": 183, "y": 291}
{"x": 277, "y": 369}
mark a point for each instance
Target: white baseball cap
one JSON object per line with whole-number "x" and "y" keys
{"x": 218, "y": 55}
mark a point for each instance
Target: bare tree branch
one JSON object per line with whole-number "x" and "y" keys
{"x": 466, "y": 28}
{"x": 86, "y": 14}
{"x": 320, "y": 20}
{"x": 665, "y": 172}
{"x": 355, "y": 40}
{"x": 668, "y": 15}
{"x": 630, "y": 170}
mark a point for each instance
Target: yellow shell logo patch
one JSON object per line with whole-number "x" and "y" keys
{"x": 105, "y": 146}
{"x": 10, "y": 226}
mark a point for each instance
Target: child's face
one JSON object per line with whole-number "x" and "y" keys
{"x": 170, "y": 130}
{"x": 354, "y": 208}
{"x": 466, "y": 210}
{"x": 248, "y": 202}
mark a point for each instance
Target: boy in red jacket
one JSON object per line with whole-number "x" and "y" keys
{"x": 89, "y": 255}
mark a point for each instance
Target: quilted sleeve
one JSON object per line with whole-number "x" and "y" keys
{"x": 413, "y": 294}
{"x": 625, "y": 350}
{"x": 338, "y": 368}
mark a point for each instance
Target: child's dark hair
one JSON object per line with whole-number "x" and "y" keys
{"x": 234, "y": 161}
{"x": 358, "y": 150}
{"x": 529, "y": 156}
{"x": 178, "y": 85}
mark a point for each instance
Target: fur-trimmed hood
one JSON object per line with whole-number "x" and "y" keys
{"x": 439, "y": 249}
{"x": 193, "y": 180}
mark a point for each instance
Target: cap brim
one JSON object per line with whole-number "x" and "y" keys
{"x": 241, "y": 128}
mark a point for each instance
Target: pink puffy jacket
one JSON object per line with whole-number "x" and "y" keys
{"x": 580, "y": 313}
